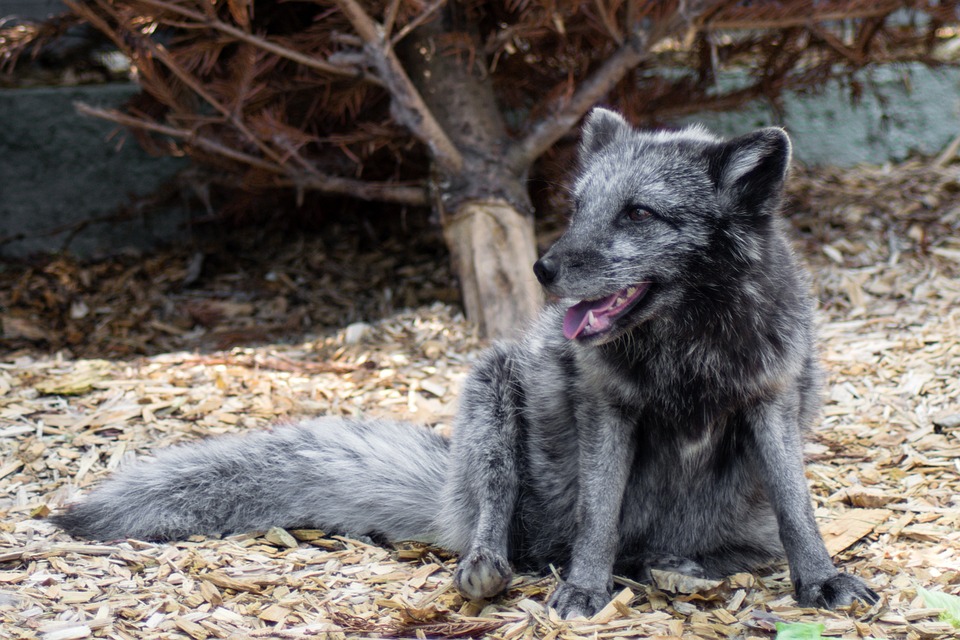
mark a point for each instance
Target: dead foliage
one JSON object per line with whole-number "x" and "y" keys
{"x": 313, "y": 95}
{"x": 236, "y": 289}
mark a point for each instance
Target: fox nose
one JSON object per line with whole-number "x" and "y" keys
{"x": 546, "y": 270}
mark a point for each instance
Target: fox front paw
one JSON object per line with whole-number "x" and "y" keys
{"x": 571, "y": 601}
{"x": 482, "y": 574}
{"x": 838, "y": 590}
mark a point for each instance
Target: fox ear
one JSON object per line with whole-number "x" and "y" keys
{"x": 753, "y": 167}
{"x": 600, "y": 129}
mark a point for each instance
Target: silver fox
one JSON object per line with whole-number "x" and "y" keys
{"x": 650, "y": 419}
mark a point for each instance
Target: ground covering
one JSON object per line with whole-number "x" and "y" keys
{"x": 108, "y": 359}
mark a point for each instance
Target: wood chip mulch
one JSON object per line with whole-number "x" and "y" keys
{"x": 884, "y": 249}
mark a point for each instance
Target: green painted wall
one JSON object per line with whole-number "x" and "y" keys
{"x": 909, "y": 109}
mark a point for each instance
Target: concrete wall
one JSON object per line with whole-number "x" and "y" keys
{"x": 31, "y": 8}
{"x": 58, "y": 168}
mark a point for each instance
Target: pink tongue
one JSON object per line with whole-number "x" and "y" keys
{"x": 590, "y": 313}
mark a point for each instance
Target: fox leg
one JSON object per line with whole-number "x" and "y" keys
{"x": 779, "y": 451}
{"x": 483, "y": 484}
{"x": 605, "y": 451}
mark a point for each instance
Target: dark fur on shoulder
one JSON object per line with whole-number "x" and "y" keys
{"x": 651, "y": 419}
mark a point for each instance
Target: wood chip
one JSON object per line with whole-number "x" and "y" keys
{"x": 616, "y": 608}
{"x": 850, "y": 527}
{"x": 682, "y": 583}
{"x": 274, "y": 613}
{"x": 867, "y": 497}
{"x": 68, "y": 631}
{"x": 226, "y": 582}
{"x": 192, "y": 629}
{"x": 281, "y": 538}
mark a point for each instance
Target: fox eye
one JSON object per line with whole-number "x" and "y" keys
{"x": 637, "y": 213}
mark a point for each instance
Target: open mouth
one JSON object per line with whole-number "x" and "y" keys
{"x": 593, "y": 317}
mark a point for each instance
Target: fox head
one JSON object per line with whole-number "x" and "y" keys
{"x": 659, "y": 219}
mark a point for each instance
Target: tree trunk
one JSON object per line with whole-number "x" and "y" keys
{"x": 493, "y": 249}
{"x": 483, "y": 205}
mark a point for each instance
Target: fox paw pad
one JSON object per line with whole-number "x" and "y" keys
{"x": 482, "y": 574}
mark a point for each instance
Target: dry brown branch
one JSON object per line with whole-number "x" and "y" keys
{"x": 390, "y": 192}
{"x": 790, "y": 21}
{"x": 565, "y": 116}
{"x": 407, "y": 105}
{"x": 27, "y": 40}
{"x": 390, "y": 17}
{"x": 566, "y": 112}
{"x": 362, "y": 189}
{"x": 832, "y": 41}
{"x": 203, "y": 21}
{"x": 159, "y": 52}
{"x": 609, "y": 20}
{"x": 274, "y": 363}
{"x": 949, "y": 154}
{"x": 590, "y": 90}
{"x": 191, "y": 137}
{"x": 424, "y": 16}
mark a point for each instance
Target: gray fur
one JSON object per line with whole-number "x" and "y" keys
{"x": 651, "y": 419}
{"x": 297, "y": 475}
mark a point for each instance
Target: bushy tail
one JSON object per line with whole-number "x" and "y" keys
{"x": 347, "y": 476}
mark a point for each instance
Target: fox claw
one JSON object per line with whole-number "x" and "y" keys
{"x": 840, "y": 590}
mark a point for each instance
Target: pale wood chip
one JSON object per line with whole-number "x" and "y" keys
{"x": 615, "y": 608}
{"x": 281, "y": 538}
{"x": 850, "y": 527}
